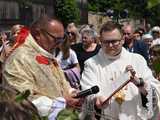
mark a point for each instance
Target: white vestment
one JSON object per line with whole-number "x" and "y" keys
{"x": 102, "y": 69}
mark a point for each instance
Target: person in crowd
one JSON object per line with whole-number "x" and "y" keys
{"x": 141, "y": 31}
{"x": 68, "y": 61}
{"x": 148, "y": 39}
{"x": 73, "y": 33}
{"x": 154, "y": 55}
{"x": 90, "y": 26}
{"x": 104, "y": 69}
{"x": 87, "y": 48}
{"x": 15, "y": 31}
{"x": 132, "y": 45}
{"x": 5, "y": 47}
{"x": 155, "y": 31}
{"x": 32, "y": 65}
{"x": 8, "y": 42}
{"x": 137, "y": 35}
{"x": 4, "y": 51}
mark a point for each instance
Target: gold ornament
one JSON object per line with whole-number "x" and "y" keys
{"x": 120, "y": 97}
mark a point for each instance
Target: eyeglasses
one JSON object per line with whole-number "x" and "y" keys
{"x": 126, "y": 33}
{"x": 70, "y": 33}
{"x": 58, "y": 40}
{"x": 113, "y": 42}
{"x": 84, "y": 37}
{"x": 155, "y": 32}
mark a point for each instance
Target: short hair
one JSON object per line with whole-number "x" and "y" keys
{"x": 128, "y": 26}
{"x": 110, "y": 26}
{"x": 89, "y": 32}
{"x": 42, "y": 23}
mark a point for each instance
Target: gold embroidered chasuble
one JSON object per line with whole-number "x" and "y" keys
{"x": 24, "y": 71}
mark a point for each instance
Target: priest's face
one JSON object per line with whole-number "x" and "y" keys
{"x": 52, "y": 36}
{"x": 111, "y": 42}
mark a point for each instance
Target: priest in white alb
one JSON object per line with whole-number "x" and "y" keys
{"x": 137, "y": 100}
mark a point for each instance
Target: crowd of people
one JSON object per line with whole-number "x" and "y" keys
{"x": 55, "y": 64}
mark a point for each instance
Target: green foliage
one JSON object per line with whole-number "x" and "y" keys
{"x": 25, "y": 2}
{"x": 93, "y": 5}
{"x": 154, "y": 16}
{"x": 21, "y": 96}
{"x": 156, "y": 66}
{"x": 44, "y": 118}
{"x": 153, "y": 3}
{"x": 68, "y": 114}
{"x": 67, "y": 11}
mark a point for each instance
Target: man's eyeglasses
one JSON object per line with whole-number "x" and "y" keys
{"x": 113, "y": 42}
{"x": 58, "y": 40}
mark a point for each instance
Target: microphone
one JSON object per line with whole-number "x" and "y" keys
{"x": 92, "y": 90}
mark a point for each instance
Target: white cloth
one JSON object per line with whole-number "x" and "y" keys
{"x": 49, "y": 107}
{"x": 101, "y": 70}
{"x": 58, "y": 105}
{"x": 156, "y": 42}
{"x": 43, "y": 104}
{"x": 147, "y": 36}
{"x": 72, "y": 59}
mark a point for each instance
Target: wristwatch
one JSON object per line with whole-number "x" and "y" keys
{"x": 140, "y": 82}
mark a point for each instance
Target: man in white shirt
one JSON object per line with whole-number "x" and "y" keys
{"x": 106, "y": 67}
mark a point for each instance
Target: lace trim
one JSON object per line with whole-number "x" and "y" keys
{"x": 147, "y": 113}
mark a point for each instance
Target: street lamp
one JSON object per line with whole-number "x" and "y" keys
{"x": 124, "y": 13}
{"x": 83, "y": 4}
{"x": 116, "y": 14}
{"x": 110, "y": 13}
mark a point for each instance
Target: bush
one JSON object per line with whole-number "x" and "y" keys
{"x": 67, "y": 11}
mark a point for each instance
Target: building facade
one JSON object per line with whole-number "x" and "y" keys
{"x": 23, "y": 11}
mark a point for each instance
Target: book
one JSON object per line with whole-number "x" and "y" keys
{"x": 117, "y": 85}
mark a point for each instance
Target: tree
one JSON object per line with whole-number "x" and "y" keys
{"x": 67, "y": 11}
{"x": 152, "y": 3}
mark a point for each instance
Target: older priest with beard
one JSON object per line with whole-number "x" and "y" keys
{"x": 138, "y": 100}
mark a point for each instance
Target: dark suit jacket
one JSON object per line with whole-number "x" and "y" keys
{"x": 139, "y": 47}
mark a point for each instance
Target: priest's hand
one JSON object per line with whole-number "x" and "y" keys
{"x": 100, "y": 102}
{"x": 71, "y": 101}
{"x": 139, "y": 82}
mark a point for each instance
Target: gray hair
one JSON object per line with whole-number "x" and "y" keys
{"x": 89, "y": 32}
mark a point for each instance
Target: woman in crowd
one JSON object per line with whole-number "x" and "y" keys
{"x": 68, "y": 61}
{"x": 87, "y": 48}
{"x": 73, "y": 33}
{"x": 8, "y": 42}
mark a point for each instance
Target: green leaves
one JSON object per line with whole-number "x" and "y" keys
{"x": 68, "y": 114}
{"x": 24, "y": 95}
{"x": 67, "y": 11}
{"x": 156, "y": 65}
{"x": 45, "y": 118}
{"x": 153, "y": 3}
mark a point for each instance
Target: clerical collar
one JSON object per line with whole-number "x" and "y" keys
{"x": 112, "y": 57}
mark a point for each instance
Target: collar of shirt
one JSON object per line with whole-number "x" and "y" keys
{"x": 30, "y": 41}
